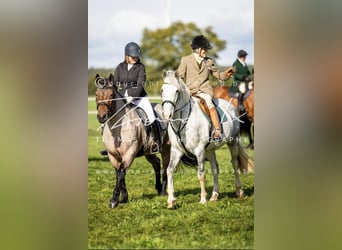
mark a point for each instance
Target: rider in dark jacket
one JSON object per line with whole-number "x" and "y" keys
{"x": 130, "y": 79}
{"x": 241, "y": 75}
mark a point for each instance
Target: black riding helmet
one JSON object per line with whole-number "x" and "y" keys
{"x": 132, "y": 49}
{"x": 200, "y": 42}
{"x": 242, "y": 53}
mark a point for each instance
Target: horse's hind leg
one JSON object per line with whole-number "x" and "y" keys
{"x": 155, "y": 161}
{"x": 234, "y": 151}
{"x": 215, "y": 170}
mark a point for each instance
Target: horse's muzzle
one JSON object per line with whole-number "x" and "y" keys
{"x": 166, "y": 116}
{"x": 102, "y": 118}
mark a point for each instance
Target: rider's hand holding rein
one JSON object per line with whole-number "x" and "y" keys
{"x": 129, "y": 99}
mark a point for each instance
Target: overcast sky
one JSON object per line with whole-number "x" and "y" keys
{"x": 113, "y": 23}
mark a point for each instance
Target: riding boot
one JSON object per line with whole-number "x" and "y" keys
{"x": 216, "y": 123}
{"x": 103, "y": 152}
{"x": 240, "y": 99}
{"x": 156, "y": 140}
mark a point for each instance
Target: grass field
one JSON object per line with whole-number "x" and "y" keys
{"x": 145, "y": 222}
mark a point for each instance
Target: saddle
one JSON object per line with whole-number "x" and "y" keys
{"x": 204, "y": 107}
{"x": 143, "y": 117}
{"x": 148, "y": 125}
{"x": 203, "y": 104}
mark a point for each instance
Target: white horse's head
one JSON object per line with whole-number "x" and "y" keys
{"x": 170, "y": 93}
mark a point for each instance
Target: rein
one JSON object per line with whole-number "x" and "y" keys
{"x": 182, "y": 121}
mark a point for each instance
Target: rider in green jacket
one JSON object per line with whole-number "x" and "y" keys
{"x": 241, "y": 78}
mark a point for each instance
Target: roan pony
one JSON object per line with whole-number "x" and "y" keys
{"x": 125, "y": 137}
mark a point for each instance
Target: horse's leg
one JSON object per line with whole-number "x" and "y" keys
{"x": 249, "y": 130}
{"x": 116, "y": 192}
{"x": 251, "y": 135}
{"x": 234, "y": 151}
{"x": 201, "y": 176}
{"x": 215, "y": 170}
{"x": 155, "y": 162}
{"x": 165, "y": 162}
{"x": 126, "y": 163}
{"x": 123, "y": 189}
{"x": 114, "y": 201}
{"x": 174, "y": 160}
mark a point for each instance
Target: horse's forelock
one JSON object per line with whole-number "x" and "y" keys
{"x": 172, "y": 78}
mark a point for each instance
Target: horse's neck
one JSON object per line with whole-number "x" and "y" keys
{"x": 184, "y": 94}
{"x": 125, "y": 123}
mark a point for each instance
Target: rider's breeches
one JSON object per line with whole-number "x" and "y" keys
{"x": 207, "y": 98}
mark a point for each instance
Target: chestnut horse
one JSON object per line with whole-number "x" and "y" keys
{"x": 125, "y": 137}
{"x": 247, "y": 124}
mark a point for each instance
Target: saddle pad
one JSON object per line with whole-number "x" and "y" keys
{"x": 220, "y": 112}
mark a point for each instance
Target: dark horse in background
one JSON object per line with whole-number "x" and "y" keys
{"x": 247, "y": 124}
{"x": 125, "y": 137}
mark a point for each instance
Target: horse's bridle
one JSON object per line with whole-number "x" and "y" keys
{"x": 168, "y": 101}
{"x": 103, "y": 103}
{"x": 174, "y": 105}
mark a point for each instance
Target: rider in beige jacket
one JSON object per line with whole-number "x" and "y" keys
{"x": 195, "y": 69}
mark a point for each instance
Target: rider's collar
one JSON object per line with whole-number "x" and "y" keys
{"x": 198, "y": 58}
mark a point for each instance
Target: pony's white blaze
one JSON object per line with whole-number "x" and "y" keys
{"x": 168, "y": 97}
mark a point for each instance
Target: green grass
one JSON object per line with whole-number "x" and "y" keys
{"x": 145, "y": 222}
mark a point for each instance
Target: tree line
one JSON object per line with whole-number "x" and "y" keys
{"x": 162, "y": 49}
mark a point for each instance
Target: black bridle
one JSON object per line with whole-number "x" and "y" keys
{"x": 106, "y": 104}
{"x": 168, "y": 101}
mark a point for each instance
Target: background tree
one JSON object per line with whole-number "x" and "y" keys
{"x": 163, "y": 49}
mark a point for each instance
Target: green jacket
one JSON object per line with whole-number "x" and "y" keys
{"x": 240, "y": 74}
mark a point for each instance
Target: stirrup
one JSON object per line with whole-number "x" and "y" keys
{"x": 154, "y": 146}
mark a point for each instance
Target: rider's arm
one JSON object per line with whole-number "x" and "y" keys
{"x": 215, "y": 71}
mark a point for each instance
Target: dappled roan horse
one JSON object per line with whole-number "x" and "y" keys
{"x": 125, "y": 137}
{"x": 189, "y": 133}
{"x": 247, "y": 124}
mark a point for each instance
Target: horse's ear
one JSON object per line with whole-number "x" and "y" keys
{"x": 97, "y": 75}
{"x": 111, "y": 77}
{"x": 164, "y": 74}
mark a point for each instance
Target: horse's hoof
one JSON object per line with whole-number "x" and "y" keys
{"x": 171, "y": 204}
{"x": 203, "y": 201}
{"x": 214, "y": 196}
{"x": 113, "y": 204}
{"x": 124, "y": 201}
{"x": 162, "y": 193}
{"x": 239, "y": 193}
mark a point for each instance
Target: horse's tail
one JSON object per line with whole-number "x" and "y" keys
{"x": 246, "y": 164}
{"x": 189, "y": 161}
